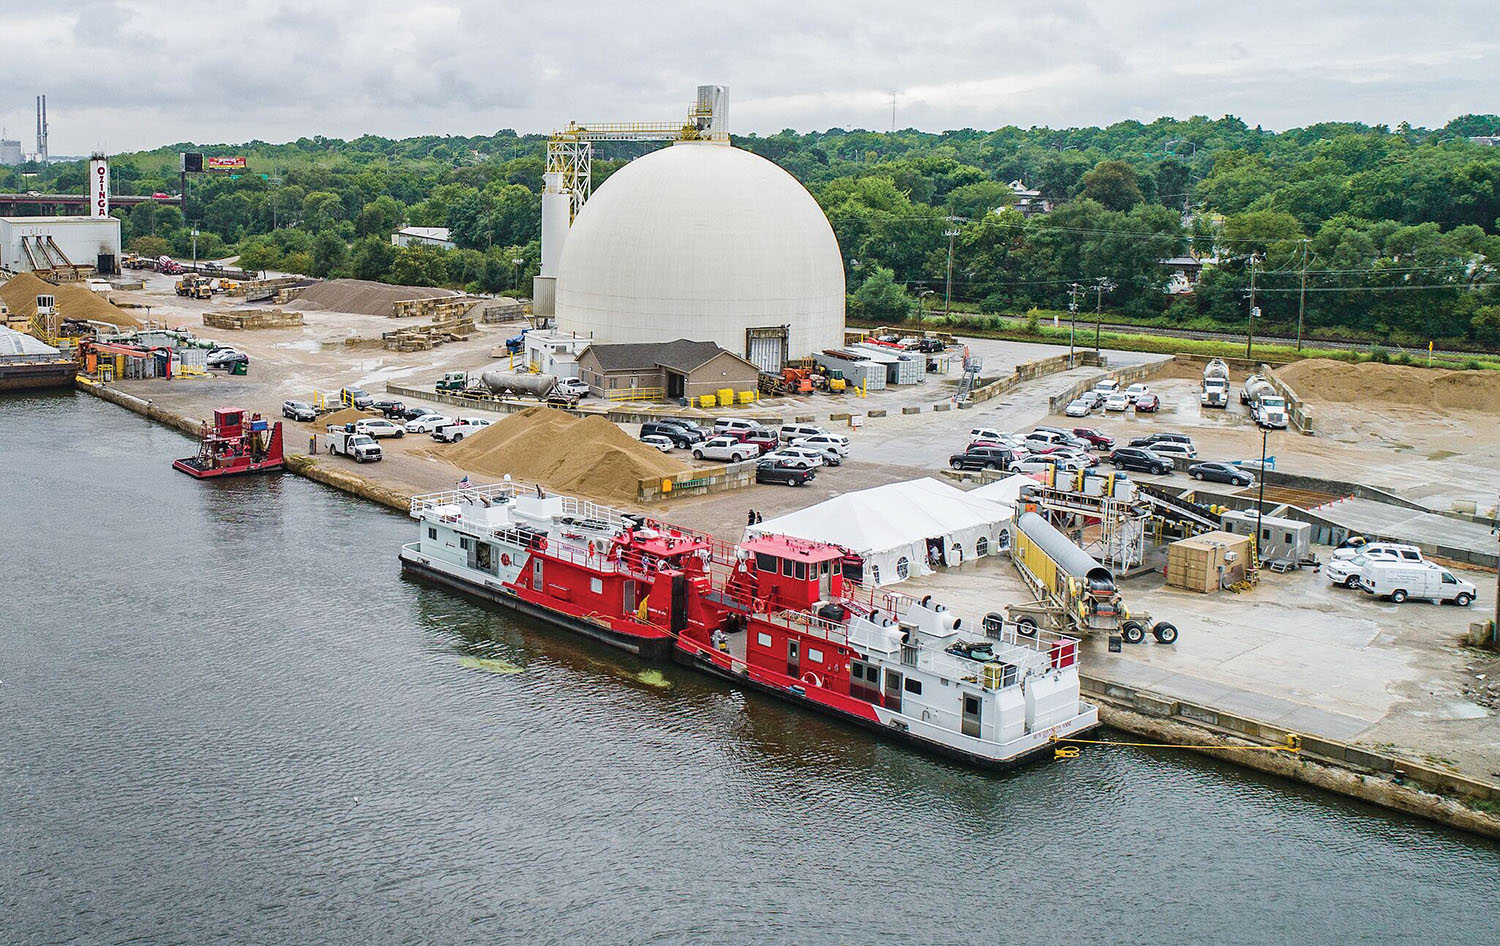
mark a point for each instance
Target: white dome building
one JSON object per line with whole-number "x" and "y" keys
{"x": 704, "y": 241}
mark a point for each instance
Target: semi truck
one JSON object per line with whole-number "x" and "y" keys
{"x": 1215, "y": 384}
{"x": 1267, "y": 406}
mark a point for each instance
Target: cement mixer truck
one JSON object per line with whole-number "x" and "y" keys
{"x": 1267, "y": 407}
{"x": 543, "y": 387}
{"x": 1215, "y": 384}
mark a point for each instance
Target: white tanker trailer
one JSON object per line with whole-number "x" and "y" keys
{"x": 543, "y": 387}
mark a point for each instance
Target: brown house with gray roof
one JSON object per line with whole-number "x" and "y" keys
{"x": 664, "y": 370}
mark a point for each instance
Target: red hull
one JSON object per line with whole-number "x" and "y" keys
{"x": 189, "y": 465}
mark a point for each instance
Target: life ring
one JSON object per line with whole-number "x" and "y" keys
{"x": 812, "y": 679}
{"x": 505, "y": 558}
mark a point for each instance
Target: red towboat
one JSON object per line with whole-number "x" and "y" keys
{"x": 232, "y": 445}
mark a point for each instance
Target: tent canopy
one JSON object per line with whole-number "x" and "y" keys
{"x": 1006, "y": 491}
{"x": 891, "y": 526}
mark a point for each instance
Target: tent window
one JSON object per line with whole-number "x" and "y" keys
{"x": 981, "y": 547}
{"x": 903, "y": 568}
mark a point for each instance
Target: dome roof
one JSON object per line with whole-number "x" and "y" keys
{"x": 702, "y": 240}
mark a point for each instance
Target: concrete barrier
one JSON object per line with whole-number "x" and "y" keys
{"x": 1298, "y": 413}
{"x": 731, "y": 476}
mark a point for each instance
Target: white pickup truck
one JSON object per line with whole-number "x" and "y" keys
{"x": 725, "y": 448}
{"x": 362, "y": 447}
{"x": 459, "y": 429}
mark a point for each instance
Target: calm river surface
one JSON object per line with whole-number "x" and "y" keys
{"x": 226, "y": 718}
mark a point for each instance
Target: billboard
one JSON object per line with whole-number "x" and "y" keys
{"x": 223, "y": 164}
{"x": 98, "y": 187}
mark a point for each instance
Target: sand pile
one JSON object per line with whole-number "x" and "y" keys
{"x": 74, "y": 301}
{"x": 588, "y": 456}
{"x": 360, "y": 296}
{"x": 346, "y": 416}
{"x": 1435, "y": 389}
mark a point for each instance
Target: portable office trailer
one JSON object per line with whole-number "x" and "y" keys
{"x": 900, "y": 367}
{"x": 1275, "y": 537}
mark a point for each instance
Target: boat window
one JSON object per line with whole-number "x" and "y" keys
{"x": 763, "y": 639}
{"x": 799, "y": 571}
{"x": 463, "y": 542}
{"x": 765, "y": 563}
{"x": 914, "y": 686}
{"x": 815, "y": 655}
{"x": 786, "y": 567}
{"x": 596, "y": 586}
{"x": 431, "y": 532}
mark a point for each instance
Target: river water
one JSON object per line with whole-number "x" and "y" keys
{"x": 226, "y": 718}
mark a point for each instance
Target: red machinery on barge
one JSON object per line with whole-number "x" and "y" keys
{"x": 232, "y": 445}
{"x": 774, "y": 614}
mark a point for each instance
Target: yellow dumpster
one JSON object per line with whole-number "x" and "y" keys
{"x": 708, "y": 400}
{"x": 726, "y": 396}
{"x": 747, "y": 397}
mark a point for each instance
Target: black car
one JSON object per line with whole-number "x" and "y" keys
{"x": 982, "y": 458}
{"x": 412, "y": 413}
{"x": 686, "y": 424}
{"x": 770, "y": 471}
{"x": 391, "y": 409}
{"x": 1152, "y": 440}
{"x": 1139, "y": 458}
{"x": 680, "y": 436}
{"x": 1221, "y": 473}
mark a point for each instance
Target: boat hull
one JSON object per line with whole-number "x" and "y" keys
{"x": 191, "y": 468}
{"x": 650, "y": 648}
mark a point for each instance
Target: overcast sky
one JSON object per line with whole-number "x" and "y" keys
{"x": 128, "y": 74}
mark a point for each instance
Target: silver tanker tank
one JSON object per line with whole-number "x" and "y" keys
{"x": 502, "y": 382}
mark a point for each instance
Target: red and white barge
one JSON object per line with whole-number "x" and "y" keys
{"x": 233, "y": 445}
{"x": 773, "y": 614}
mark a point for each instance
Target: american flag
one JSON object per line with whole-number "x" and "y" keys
{"x": 463, "y": 482}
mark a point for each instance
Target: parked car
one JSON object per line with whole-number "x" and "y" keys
{"x": 1170, "y": 448}
{"x": 1078, "y": 407}
{"x": 983, "y": 458}
{"x": 1106, "y": 386}
{"x": 1094, "y": 438}
{"x": 1393, "y": 550}
{"x": 1147, "y": 404}
{"x": 391, "y": 409}
{"x": 680, "y": 436}
{"x": 1095, "y": 399}
{"x": 986, "y": 433}
{"x": 790, "y": 432}
{"x": 724, "y": 425}
{"x": 225, "y": 357}
{"x": 1399, "y": 581}
{"x": 298, "y": 410}
{"x": 427, "y": 423}
{"x": 459, "y": 429}
{"x": 1082, "y": 456}
{"x": 412, "y": 413}
{"x": 1012, "y": 441}
{"x": 573, "y": 387}
{"x": 356, "y": 397}
{"x": 1217, "y": 472}
{"x": 801, "y": 462}
{"x": 1139, "y": 458}
{"x": 725, "y": 448}
{"x": 819, "y": 457}
{"x": 763, "y": 437}
{"x": 659, "y": 441}
{"x": 686, "y": 424}
{"x": 825, "y": 442}
{"x": 1117, "y": 402}
{"x": 1151, "y": 440}
{"x": 1135, "y": 391}
{"x": 1063, "y": 462}
{"x": 378, "y": 427}
{"x": 1039, "y": 441}
{"x": 775, "y": 471}
{"x": 829, "y": 455}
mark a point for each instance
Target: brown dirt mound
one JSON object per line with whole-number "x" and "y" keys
{"x": 587, "y": 456}
{"x": 360, "y": 296}
{"x": 1433, "y": 389}
{"x": 346, "y": 416}
{"x": 74, "y": 301}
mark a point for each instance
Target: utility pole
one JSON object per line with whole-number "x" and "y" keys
{"x": 1302, "y": 295}
{"x": 950, "y": 233}
{"x": 893, "y": 111}
{"x": 1101, "y": 286}
{"x": 1250, "y": 321}
{"x": 1072, "y": 318}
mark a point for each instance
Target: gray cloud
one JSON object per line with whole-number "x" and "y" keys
{"x": 125, "y": 74}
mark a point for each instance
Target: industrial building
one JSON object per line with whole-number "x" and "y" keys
{"x": 60, "y": 244}
{"x": 656, "y": 370}
{"x": 555, "y": 353}
{"x": 10, "y": 152}
{"x": 423, "y": 236}
{"x": 698, "y": 238}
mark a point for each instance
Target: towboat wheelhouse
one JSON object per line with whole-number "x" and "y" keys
{"x": 774, "y": 613}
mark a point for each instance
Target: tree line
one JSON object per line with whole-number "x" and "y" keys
{"x": 1366, "y": 231}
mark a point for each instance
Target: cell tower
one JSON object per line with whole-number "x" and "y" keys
{"x": 41, "y": 128}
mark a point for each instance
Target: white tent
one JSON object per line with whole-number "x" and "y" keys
{"x": 1006, "y": 491}
{"x": 891, "y": 526}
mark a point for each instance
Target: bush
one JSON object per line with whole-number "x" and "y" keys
{"x": 1034, "y": 321}
{"x": 1379, "y": 354}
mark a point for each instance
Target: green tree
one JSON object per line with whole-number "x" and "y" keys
{"x": 1113, "y": 184}
{"x": 372, "y": 258}
{"x": 150, "y": 246}
{"x": 330, "y": 255}
{"x": 881, "y": 299}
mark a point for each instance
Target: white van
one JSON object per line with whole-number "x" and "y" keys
{"x": 1401, "y": 580}
{"x": 1107, "y": 386}
{"x": 792, "y": 432}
